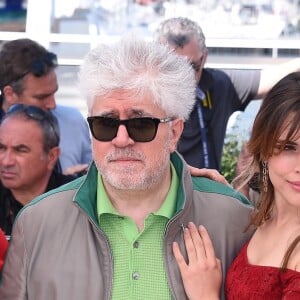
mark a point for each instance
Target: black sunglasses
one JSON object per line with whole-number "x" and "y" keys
{"x": 197, "y": 65}
{"x": 142, "y": 130}
{"x": 35, "y": 113}
{"x": 39, "y": 67}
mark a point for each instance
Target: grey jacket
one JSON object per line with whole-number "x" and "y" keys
{"x": 58, "y": 251}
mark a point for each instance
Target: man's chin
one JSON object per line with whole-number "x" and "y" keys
{"x": 126, "y": 182}
{"x": 9, "y": 183}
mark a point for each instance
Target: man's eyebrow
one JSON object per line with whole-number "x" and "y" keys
{"x": 21, "y": 147}
{"x": 132, "y": 112}
{"x": 283, "y": 141}
{"x": 45, "y": 95}
{"x": 137, "y": 112}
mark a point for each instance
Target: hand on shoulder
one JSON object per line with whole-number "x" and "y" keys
{"x": 209, "y": 173}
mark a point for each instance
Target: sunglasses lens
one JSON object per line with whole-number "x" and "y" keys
{"x": 195, "y": 67}
{"x": 15, "y": 108}
{"x": 103, "y": 129}
{"x": 51, "y": 59}
{"x": 38, "y": 68}
{"x": 32, "y": 111}
{"x": 139, "y": 129}
{"x": 41, "y": 66}
{"x": 37, "y": 114}
{"x": 142, "y": 129}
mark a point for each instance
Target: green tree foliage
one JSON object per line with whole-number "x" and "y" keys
{"x": 231, "y": 152}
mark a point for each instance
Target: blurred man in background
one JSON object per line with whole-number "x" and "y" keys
{"x": 27, "y": 75}
{"x": 29, "y": 150}
{"x": 219, "y": 92}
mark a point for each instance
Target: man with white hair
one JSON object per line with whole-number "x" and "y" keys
{"x": 109, "y": 234}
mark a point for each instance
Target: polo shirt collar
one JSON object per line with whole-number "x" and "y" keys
{"x": 168, "y": 208}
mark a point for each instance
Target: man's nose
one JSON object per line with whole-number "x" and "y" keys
{"x": 50, "y": 103}
{"x": 6, "y": 158}
{"x": 122, "y": 138}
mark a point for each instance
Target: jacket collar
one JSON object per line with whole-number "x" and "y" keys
{"x": 87, "y": 192}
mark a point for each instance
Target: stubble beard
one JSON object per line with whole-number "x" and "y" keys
{"x": 132, "y": 177}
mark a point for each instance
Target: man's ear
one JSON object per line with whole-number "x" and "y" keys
{"x": 9, "y": 96}
{"x": 177, "y": 128}
{"x": 53, "y": 156}
{"x": 205, "y": 52}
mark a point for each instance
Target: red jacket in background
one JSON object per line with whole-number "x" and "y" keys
{"x": 3, "y": 248}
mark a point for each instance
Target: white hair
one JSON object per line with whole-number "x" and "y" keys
{"x": 178, "y": 32}
{"x": 142, "y": 67}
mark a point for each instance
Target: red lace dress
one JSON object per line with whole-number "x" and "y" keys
{"x": 251, "y": 282}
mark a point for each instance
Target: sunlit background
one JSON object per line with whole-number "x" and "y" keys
{"x": 240, "y": 34}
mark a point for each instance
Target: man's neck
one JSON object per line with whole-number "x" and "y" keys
{"x": 26, "y": 194}
{"x": 5, "y": 106}
{"x": 138, "y": 204}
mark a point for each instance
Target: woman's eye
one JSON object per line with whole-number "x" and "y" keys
{"x": 289, "y": 147}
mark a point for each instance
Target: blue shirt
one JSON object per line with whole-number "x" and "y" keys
{"x": 75, "y": 141}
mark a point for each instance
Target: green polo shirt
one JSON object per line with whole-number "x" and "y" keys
{"x": 139, "y": 271}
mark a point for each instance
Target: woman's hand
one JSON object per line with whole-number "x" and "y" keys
{"x": 201, "y": 275}
{"x": 209, "y": 173}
